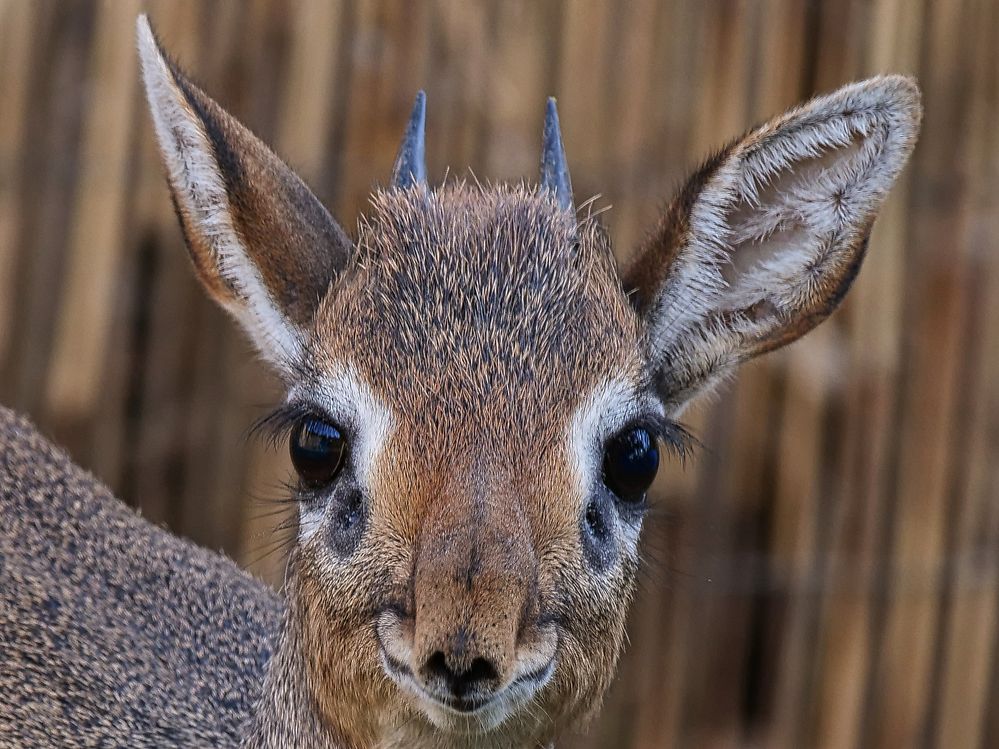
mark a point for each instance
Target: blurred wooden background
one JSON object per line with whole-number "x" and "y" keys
{"x": 825, "y": 574}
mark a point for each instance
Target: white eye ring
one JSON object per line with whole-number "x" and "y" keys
{"x": 353, "y": 406}
{"x": 611, "y": 406}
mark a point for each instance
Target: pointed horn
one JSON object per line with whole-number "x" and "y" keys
{"x": 410, "y": 165}
{"x": 554, "y": 169}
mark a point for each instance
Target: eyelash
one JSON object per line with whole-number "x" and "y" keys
{"x": 277, "y": 426}
{"x": 675, "y": 437}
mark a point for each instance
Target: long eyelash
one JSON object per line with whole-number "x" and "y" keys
{"x": 677, "y": 439}
{"x": 276, "y": 427}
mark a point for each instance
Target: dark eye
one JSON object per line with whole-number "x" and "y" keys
{"x": 318, "y": 451}
{"x": 631, "y": 460}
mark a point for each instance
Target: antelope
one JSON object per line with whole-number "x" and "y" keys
{"x": 478, "y": 401}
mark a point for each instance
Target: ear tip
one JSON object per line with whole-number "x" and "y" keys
{"x": 908, "y": 83}
{"x": 145, "y": 38}
{"x": 897, "y": 96}
{"x": 900, "y": 87}
{"x": 903, "y": 94}
{"x": 151, "y": 53}
{"x": 899, "y": 91}
{"x": 160, "y": 73}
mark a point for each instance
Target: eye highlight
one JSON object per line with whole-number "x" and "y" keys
{"x": 318, "y": 451}
{"x": 631, "y": 461}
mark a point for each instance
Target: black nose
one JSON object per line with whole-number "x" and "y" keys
{"x": 479, "y": 675}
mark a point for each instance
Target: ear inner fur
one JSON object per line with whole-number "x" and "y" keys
{"x": 763, "y": 241}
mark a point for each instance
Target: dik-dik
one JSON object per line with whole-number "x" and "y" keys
{"x": 478, "y": 400}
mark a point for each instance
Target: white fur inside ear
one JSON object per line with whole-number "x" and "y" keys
{"x": 789, "y": 216}
{"x": 786, "y": 209}
{"x": 199, "y": 188}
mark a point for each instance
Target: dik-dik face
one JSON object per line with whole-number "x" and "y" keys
{"x": 478, "y": 400}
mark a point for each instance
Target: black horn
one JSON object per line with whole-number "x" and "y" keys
{"x": 554, "y": 169}
{"x": 410, "y": 165}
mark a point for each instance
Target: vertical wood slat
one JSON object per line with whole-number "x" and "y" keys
{"x": 929, "y": 402}
{"x": 967, "y": 643}
{"x": 458, "y": 56}
{"x": 57, "y": 79}
{"x": 722, "y": 550}
{"x": 824, "y": 574}
{"x": 368, "y": 149}
{"x": 850, "y": 585}
{"x": 585, "y": 55}
{"x": 517, "y": 84}
{"x": 159, "y": 422}
{"x": 81, "y": 336}
{"x": 631, "y": 107}
{"x": 16, "y": 25}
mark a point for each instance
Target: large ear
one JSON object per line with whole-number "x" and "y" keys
{"x": 764, "y": 240}
{"x": 263, "y": 245}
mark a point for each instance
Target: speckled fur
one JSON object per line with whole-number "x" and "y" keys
{"x": 112, "y": 631}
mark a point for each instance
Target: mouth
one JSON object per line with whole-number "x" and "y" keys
{"x": 486, "y": 712}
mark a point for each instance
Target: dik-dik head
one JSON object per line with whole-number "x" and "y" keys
{"x": 478, "y": 400}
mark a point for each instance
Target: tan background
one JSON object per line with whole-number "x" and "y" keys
{"x": 825, "y": 573}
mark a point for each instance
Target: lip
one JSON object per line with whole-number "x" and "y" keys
{"x": 521, "y": 688}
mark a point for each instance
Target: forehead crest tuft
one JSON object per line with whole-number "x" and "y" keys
{"x": 471, "y": 293}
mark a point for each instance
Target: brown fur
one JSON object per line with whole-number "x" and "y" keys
{"x": 493, "y": 306}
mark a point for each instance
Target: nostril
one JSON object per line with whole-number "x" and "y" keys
{"x": 480, "y": 670}
{"x": 436, "y": 665}
{"x": 460, "y": 682}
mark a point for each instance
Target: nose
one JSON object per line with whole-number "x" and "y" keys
{"x": 467, "y": 681}
{"x": 474, "y": 593}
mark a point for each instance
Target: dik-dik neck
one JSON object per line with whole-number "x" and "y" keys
{"x": 309, "y": 699}
{"x": 287, "y": 713}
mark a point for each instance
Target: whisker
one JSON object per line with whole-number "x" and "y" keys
{"x": 283, "y": 546}
{"x": 271, "y": 513}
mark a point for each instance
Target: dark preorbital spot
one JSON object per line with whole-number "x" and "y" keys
{"x": 348, "y": 516}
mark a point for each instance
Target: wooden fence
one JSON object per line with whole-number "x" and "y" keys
{"x": 825, "y": 573}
